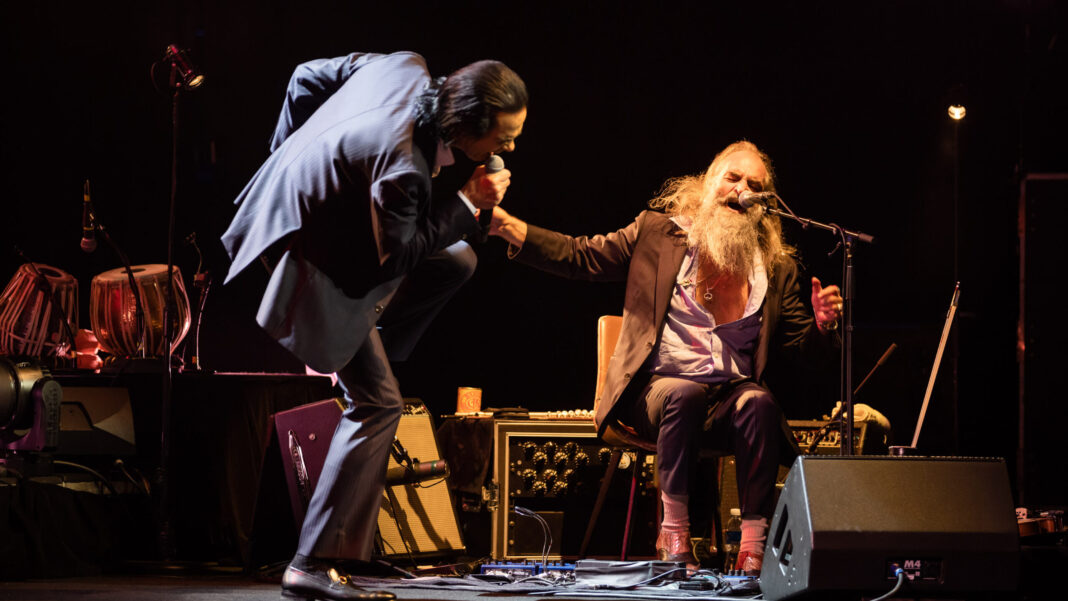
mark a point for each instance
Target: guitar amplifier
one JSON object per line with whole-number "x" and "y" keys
{"x": 414, "y": 519}
{"x": 551, "y": 470}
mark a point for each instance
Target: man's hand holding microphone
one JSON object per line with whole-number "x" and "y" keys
{"x": 485, "y": 189}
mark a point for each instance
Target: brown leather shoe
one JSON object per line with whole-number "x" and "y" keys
{"x": 675, "y": 545}
{"x": 749, "y": 563}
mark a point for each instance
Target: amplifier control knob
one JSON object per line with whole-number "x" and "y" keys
{"x": 549, "y": 476}
{"x": 528, "y": 449}
{"x": 528, "y": 476}
{"x": 604, "y": 454}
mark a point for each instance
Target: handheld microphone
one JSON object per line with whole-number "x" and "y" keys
{"x": 88, "y": 226}
{"x": 493, "y": 164}
{"x": 417, "y": 472}
{"x": 747, "y": 198}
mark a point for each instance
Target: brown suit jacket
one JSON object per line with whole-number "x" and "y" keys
{"x": 647, "y": 254}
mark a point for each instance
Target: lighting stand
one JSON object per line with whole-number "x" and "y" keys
{"x": 182, "y": 76}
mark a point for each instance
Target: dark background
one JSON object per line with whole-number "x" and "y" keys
{"x": 849, "y": 99}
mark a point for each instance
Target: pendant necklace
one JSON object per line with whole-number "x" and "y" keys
{"x": 708, "y": 296}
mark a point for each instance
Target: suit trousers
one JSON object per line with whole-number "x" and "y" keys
{"x": 739, "y": 417}
{"x": 342, "y": 516}
{"x": 421, "y": 297}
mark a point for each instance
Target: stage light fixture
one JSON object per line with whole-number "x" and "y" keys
{"x": 956, "y": 112}
{"x": 183, "y": 67}
{"x": 29, "y": 406}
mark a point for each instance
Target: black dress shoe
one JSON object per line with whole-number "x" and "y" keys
{"x": 325, "y": 581}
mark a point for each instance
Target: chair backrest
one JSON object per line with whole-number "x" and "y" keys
{"x": 608, "y": 327}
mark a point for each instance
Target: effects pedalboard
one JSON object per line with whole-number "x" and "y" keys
{"x": 642, "y": 570}
{"x": 525, "y": 569}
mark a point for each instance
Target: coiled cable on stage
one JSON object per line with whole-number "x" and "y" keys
{"x": 547, "y": 541}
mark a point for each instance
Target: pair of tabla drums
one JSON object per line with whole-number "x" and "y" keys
{"x": 41, "y": 302}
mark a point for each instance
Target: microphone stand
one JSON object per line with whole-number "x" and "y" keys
{"x": 202, "y": 282}
{"x": 846, "y": 241}
{"x": 139, "y": 308}
{"x": 837, "y": 419}
{"x": 165, "y": 538}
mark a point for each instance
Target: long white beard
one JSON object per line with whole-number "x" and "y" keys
{"x": 729, "y": 239}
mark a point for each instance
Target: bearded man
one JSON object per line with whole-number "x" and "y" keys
{"x": 713, "y": 307}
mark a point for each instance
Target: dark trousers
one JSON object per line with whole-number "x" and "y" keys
{"x": 741, "y": 418}
{"x": 422, "y": 295}
{"x": 342, "y": 515}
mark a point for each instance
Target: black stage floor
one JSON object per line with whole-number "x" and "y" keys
{"x": 232, "y": 584}
{"x": 238, "y": 587}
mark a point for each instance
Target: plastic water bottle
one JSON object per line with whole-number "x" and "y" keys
{"x": 732, "y": 539}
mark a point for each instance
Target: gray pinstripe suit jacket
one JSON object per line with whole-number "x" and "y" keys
{"x": 346, "y": 194}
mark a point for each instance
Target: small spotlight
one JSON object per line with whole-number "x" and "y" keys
{"x": 184, "y": 67}
{"x": 956, "y": 112}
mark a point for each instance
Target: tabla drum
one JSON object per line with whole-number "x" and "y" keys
{"x": 113, "y": 310}
{"x": 33, "y": 309}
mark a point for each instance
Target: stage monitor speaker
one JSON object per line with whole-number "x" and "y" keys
{"x": 417, "y": 518}
{"x": 868, "y": 439}
{"x": 842, "y": 524}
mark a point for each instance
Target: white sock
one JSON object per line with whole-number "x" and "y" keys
{"x": 754, "y": 533}
{"x": 676, "y": 511}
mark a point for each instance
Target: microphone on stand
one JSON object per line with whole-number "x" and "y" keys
{"x": 88, "y": 224}
{"x": 418, "y": 471}
{"x": 747, "y": 199}
{"x": 485, "y": 217}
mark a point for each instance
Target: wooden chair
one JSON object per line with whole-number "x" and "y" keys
{"x": 621, "y": 441}
{"x": 608, "y": 327}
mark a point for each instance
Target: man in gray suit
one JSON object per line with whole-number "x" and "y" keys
{"x": 712, "y": 313}
{"x": 342, "y": 210}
